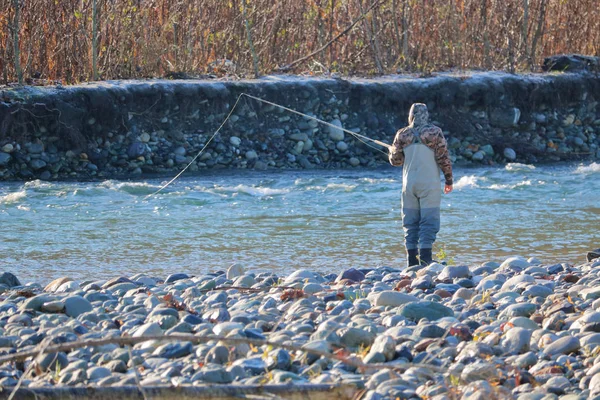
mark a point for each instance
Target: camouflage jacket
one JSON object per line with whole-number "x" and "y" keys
{"x": 432, "y": 137}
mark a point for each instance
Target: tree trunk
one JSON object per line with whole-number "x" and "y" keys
{"x": 94, "y": 40}
{"x": 486, "y": 41}
{"x": 249, "y": 38}
{"x": 17, "y": 53}
{"x": 539, "y": 32}
{"x": 370, "y": 40}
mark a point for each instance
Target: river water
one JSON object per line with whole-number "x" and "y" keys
{"x": 322, "y": 220}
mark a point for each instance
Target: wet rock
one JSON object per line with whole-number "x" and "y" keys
{"x": 351, "y": 274}
{"x": 77, "y": 305}
{"x": 176, "y": 277}
{"x": 213, "y": 374}
{"x": 565, "y": 345}
{"x": 415, "y": 311}
{"x": 390, "y": 298}
{"x": 9, "y": 280}
{"x": 335, "y": 133}
{"x": 516, "y": 341}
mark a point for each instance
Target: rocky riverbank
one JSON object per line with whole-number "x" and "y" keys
{"x": 131, "y": 128}
{"x": 520, "y": 329}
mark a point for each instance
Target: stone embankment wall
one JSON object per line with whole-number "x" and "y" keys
{"x": 125, "y": 129}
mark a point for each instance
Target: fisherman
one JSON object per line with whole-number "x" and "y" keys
{"x": 422, "y": 149}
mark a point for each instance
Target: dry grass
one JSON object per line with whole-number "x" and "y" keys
{"x": 143, "y": 38}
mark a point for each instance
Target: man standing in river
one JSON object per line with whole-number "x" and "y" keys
{"x": 422, "y": 149}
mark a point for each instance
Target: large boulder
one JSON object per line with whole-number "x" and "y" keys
{"x": 571, "y": 63}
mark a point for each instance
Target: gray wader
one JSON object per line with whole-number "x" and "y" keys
{"x": 421, "y": 196}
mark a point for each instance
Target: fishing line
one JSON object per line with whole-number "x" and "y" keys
{"x": 361, "y": 138}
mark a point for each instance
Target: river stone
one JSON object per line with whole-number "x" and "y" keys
{"x": 117, "y": 366}
{"x": 390, "y": 298}
{"x": 67, "y": 287}
{"x": 594, "y": 385}
{"x": 425, "y": 309}
{"x": 385, "y": 345}
{"x": 479, "y": 371}
{"x": 537, "y": 291}
{"x": 77, "y": 305}
{"x": 523, "y": 322}
{"x": 9, "y": 280}
{"x": 505, "y": 117}
{"x": 509, "y": 154}
{"x": 453, "y": 272}
{"x": 224, "y": 328}
{"x": 513, "y": 282}
{"x": 244, "y": 281}
{"x": 37, "y": 164}
{"x": 464, "y": 293}
{"x": 176, "y": 277}
{"x": 335, "y": 133}
{"x": 518, "y": 310}
{"x": 300, "y": 275}
{"x": 514, "y": 264}
{"x": 148, "y": 329}
{"x": 429, "y": 331}
{"x": 216, "y": 315}
{"x": 354, "y": 337}
{"x": 115, "y": 281}
{"x": 352, "y": 274}
{"x": 53, "y": 306}
{"x": 4, "y": 159}
{"x": 592, "y": 293}
{"x": 564, "y": 345}
{"x": 516, "y": 341}
{"x": 174, "y": 350}
{"x": 279, "y": 359}
{"x": 252, "y": 365}
{"x": 55, "y": 284}
{"x": 213, "y": 374}
{"x": 589, "y": 340}
{"x": 234, "y": 271}
{"x": 122, "y": 288}
{"x": 235, "y": 141}
{"x": 208, "y": 285}
{"x": 97, "y": 373}
{"x": 35, "y": 303}
{"x": 136, "y": 149}
{"x": 52, "y": 361}
{"x": 217, "y": 355}
{"x": 312, "y": 288}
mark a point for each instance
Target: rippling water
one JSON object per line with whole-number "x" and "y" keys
{"x": 324, "y": 220}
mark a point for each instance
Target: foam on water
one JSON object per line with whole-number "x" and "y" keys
{"x": 588, "y": 169}
{"x": 504, "y": 186}
{"x": 14, "y": 197}
{"x": 333, "y": 187}
{"x": 468, "y": 181}
{"x": 255, "y": 191}
{"x": 37, "y": 184}
{"x": 131, "y": 187}
{"x": 519, "y": 167}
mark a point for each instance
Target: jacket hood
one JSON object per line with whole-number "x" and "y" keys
{"x": 418, "y": 115}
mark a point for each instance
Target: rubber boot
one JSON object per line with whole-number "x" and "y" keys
{"x": 412, "y": 256}
{"x": 425, "y": 256}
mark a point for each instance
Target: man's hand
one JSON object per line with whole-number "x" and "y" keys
{"x": 447, "y": 189}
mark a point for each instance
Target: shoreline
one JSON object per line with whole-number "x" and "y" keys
{"x": 520, "y": 329}
{"x": 129, "y": 129}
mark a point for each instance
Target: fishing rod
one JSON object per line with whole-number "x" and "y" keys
{"x": 357, "y": 135}
{"x": 362, "y": 138}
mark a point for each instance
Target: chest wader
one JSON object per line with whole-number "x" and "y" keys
{"x": 421, "y": 199}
